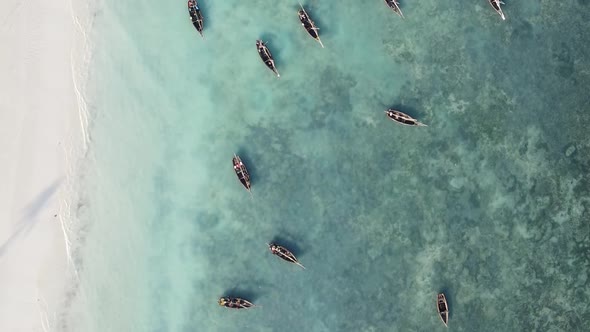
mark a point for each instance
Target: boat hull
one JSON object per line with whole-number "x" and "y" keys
{"x": 443, "y": 308}
{"x": 241, "y": 172}
{"x": 496, "y": 5}
{"x": 266, "y": 57}
{"x": 403, "y": 118}
{"x": 284, "y": 253}
{"x": 394, "y": 5}
{"x": 196, "y": 17}
{"x": 235, "y": 303}
{"x": 309, "y": 25}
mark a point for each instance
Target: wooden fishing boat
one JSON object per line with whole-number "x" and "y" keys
{"x": 241, "y": 172}
{"x": 443, "y": 308}
{"x": 284, "y": 253}
{"x": 496, "y": 5}
{"x": 403, "y": 118}
{"x": 394, "y": 5}
{"x": 309, "y": 25}
{"x": 196, "y": 17}
{"x": 235, "y": 303}
{"x": 266, "y": 56}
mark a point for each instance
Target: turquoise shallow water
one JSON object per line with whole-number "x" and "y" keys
{"x": 489, "y": 203}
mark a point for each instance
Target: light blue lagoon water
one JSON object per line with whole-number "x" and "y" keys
{"x": 489, "y": 203}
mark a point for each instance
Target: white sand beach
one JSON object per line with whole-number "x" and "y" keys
{"x": 41, "y": 138}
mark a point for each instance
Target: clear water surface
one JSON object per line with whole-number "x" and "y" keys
{"x": 489, "y": 203}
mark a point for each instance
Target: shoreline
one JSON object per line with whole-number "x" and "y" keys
{"x": 43, "y": 138}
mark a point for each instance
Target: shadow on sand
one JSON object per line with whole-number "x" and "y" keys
{"x": 30, "y": 214}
